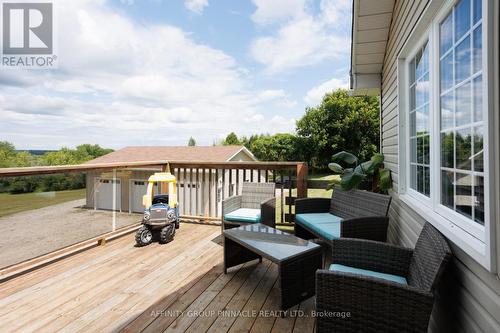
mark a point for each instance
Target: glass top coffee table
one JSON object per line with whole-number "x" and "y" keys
{"x": 297, "y": 259}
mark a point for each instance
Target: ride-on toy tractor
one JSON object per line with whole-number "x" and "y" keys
{"x": 161, "y": 213}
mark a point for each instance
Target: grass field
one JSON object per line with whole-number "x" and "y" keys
{"x": 15, "y": 203}
{"x": 326, "y": 176}
{"x": 311, "y": 193}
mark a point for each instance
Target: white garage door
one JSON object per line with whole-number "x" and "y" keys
{"x": 104, "y": 194}
{"x": 137, "y": 189}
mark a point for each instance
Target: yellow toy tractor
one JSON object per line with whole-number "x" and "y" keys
{"x": 161, "y": 213}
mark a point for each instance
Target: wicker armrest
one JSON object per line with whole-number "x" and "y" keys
{"x": 371, "y": 255}
{"x": 367, "y": 227}
{"x": 312, "y": 205}
{"x": 268, "y": 212}
{"x": 383, "y": 306}
{"x": 231, "y": 204}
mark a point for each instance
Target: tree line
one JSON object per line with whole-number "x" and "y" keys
{"x": 10, "y": 157}
{"x": 340, "y": 123}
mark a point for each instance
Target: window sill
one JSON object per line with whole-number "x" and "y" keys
{"x": 474, "y": 247}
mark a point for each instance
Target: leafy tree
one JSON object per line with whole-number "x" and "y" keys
{"x": 7, "y": 153}
{"x": 23, "y": 185}
{"x": 231, "y": 140}
{"x": 279, "y": 147}
{"x": 248, "y": 141}
{"x": 191, "y": 142}
{"x": 91, "y": 151}
{"x": 81, "y": 154}
{"x": 341, "y": 123}
{"x": 9, "y": 157}
{"x": 23, "y": 159}
{"x": 64, "y": 156}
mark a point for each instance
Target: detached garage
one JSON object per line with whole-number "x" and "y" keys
{"x": 104, "y": 194}
{"x": 127, "y": 186}
{"x": 137, "y": 189}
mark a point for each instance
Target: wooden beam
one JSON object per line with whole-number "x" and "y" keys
{"x": 157, "y": 164}
{"x": 40, "y": 170}
{"x": 301, "y": 180}
{"x": 236, "y": 165}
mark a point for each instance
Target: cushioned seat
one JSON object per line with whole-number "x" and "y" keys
{"x": 365, "y": 272}
{"x": 325, "y": 224}
{"x": 246, "y": 215}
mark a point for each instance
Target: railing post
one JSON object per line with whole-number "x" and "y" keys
{"x": 163, "y": 186}
{"x": 301, "y": 180}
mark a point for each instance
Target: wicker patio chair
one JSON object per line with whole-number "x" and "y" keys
{"x": 384, "y": 288}
{"x": 350, "y": 214}
{"x": 256, "y": 204}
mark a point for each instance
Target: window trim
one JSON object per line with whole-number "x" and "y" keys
{"x": 411, "y": 55}
{"x": 476, "y": 240}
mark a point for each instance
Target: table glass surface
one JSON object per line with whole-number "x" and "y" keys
{"x": 275, "y": 243}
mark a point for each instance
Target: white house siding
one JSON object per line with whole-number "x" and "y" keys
{"x": 470, "y": 297}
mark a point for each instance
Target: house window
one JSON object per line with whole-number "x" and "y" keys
{"x": 445, "y": 93}
{"x": 419, "y": 121}
{"x": 461, "y": 110}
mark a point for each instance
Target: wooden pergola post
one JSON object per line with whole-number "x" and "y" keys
{"x": 163, "y": 186}
{"x": 301, "y": 180}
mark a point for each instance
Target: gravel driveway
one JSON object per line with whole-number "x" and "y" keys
{"x": 35, "y": 232}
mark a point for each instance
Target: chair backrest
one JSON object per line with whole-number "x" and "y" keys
{"x": 357, "y": 203}
{"x": 430, "y": 257}
{"x": 254, "y": 193}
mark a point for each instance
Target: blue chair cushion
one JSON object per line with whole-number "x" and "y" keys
{"x": 365, "y": 272}
{"x": 326, "y": 225}
{"x": 246, "y": 215}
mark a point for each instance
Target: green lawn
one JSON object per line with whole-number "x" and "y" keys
{"x": 326, "y": 176}
{"x": 311, "y": 193}
{"x": 15, "y": 203}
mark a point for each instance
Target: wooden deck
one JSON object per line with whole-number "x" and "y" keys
{"x": 178, "y": 287}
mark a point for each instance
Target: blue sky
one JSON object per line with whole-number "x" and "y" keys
{"x": 155, "y": 72}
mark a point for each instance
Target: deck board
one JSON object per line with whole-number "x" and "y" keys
{"x": 177, "y": 287}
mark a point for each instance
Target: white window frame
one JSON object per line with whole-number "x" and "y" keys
{"x": 476, "y": 240}
{"x": 406, "y": 82}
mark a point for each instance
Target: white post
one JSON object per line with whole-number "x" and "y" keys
{"x": 114, "y": 200}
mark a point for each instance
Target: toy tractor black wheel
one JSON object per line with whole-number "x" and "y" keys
{"x": 144, "y": 236}
{"x": 177, "y": 224}
{"x": 167, "y": 234}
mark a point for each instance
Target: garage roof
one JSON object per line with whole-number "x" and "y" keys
{"x": 371, "y": 21}
{"x": 169, "y": 153}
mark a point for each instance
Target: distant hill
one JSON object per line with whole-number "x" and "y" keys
{"x": 36, "y": 152}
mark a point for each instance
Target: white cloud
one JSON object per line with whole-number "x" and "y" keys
{"x": 119, "y": 80}
{"x": 315, "y": 94}
{"x": 196, "y": 6}
{"x": 255, "y": 118}
{"x": 272, "y": 94}
{"x": 305, "y": 39}
{"x": 68, "y": 86}
{"x": 268, "y": 12}
{"x": 334, "y": 11}
{"x": 278, "y": 96}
